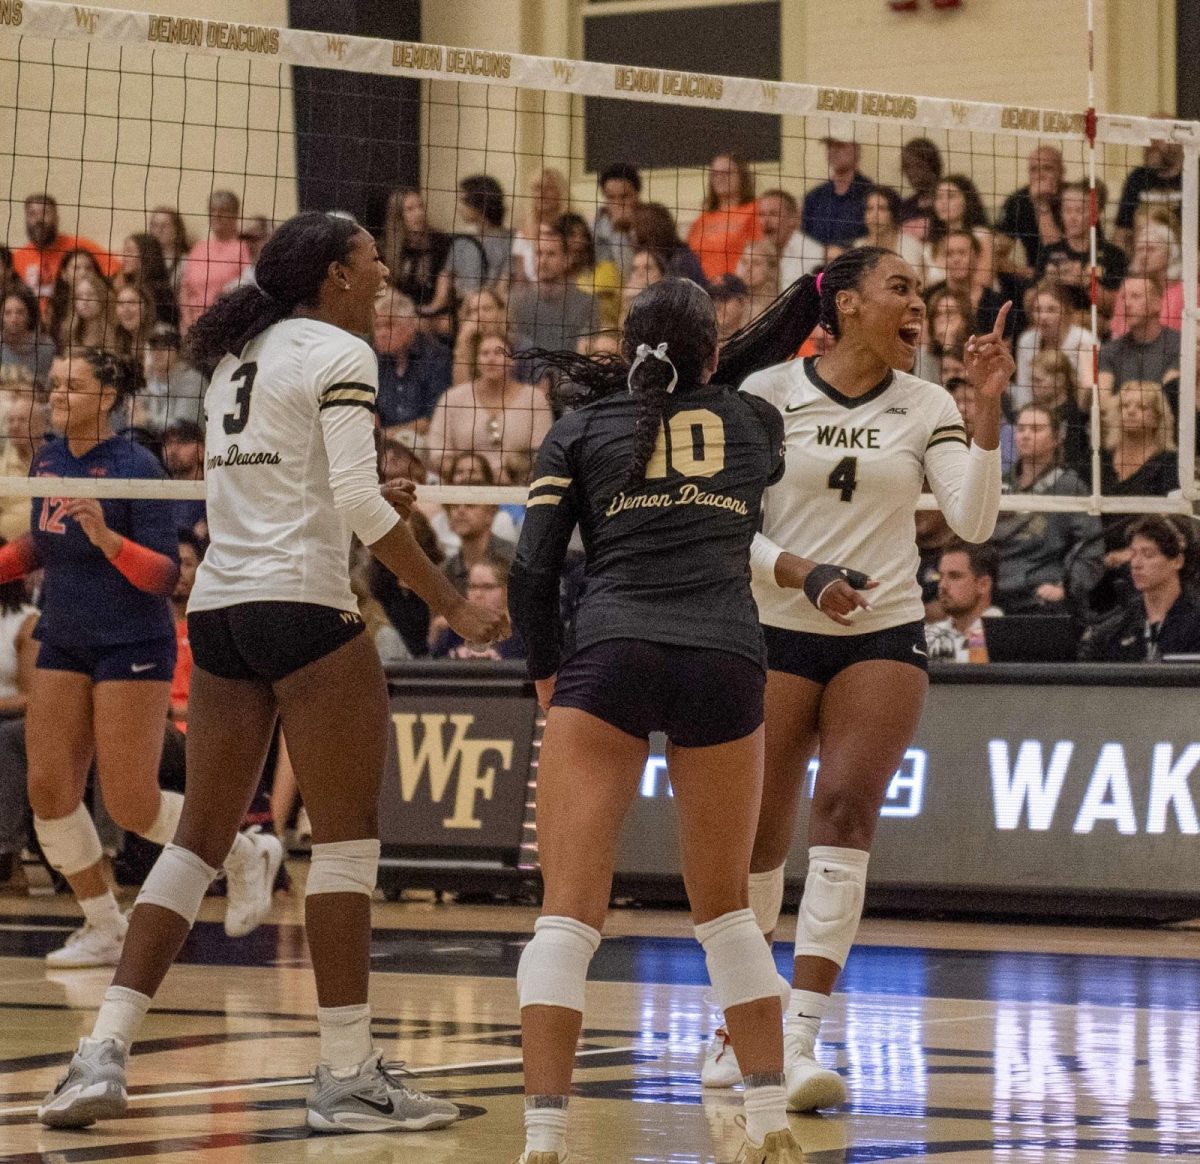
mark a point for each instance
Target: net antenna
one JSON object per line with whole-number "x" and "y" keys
{"x": 488, "y": 112}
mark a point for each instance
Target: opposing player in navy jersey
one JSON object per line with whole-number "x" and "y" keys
{"x": 663, "y": 470}
{"x": 275, "y": 632}
{"x": 106, "y": 656}
{"x": 862, "y": 435}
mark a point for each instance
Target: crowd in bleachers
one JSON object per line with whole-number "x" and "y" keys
{"x": 463, "y": 400}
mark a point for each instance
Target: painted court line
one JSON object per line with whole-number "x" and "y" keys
{"x": 440, "y": 1069}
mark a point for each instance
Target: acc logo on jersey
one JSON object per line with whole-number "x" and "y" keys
{"x": 895, "y": 412}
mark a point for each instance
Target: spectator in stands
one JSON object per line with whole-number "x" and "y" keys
{"x": 414, "y": 369}
{"x": 758, "y": 269}
{"x": 174, "y": 389}
{"x": 491, "y": 414}
{"x": 728, "y": 220}
{"x": 1035, "y": 547}
{"x": 167, "y": 225}
{"x": 782, "y": 234}
{"x": 963, "y": 392}
{"x": 549, "y": 200}
{"x": 962, "y": 255}
{"x": 37, "y": 263}
{"x": 834, "y": 211}
{"x": 487, "y": 584}
{"x": 598, "y": 277}
{"x": 21, "y": 341}
{"x": 183, "y": 457}
{"x": 1163, "y": 618}
{"x": 415, "y": 253}
{"x": 967, "y": 577}
{"x": 1052, "y": 328}
{"x": 949, "y": 323}
{"x": 74, "y": 267}
{"x": 1157, "y": 182}
{"x": 621, "y": 186}
{"x": 468, "y": 469}
{"x": 647, "y": 270}
{"x": 91, "y": 320}
{"x": 731, "y": 298}
{"x": 136, "y": 316}
{"x": 881, "y": 217}
{"x": 24, "y": 429}
{"x": 18, "y": 656}
{"x": 142, "y": 264}
{"x": 214, "y": 262}
{"x": 1157, "y": 255}
{"x": 1068, "y": 261}
{"x": 1139, "y": 447}
{"x": 957, "y": 206}
{"x": 480, "y": 256}
{"x": 551, "y": 311}
{"x": 255, "y": 232}
{"x": 1145, "y": 350}
{"x": 485, "y": 312}
{"x": 1031, "y": 217}
{"x": 654, "y": 229}
{"x": 921, "y": 165}
{"x": 473, "y": 526}
{"x": 1054, "y": 384}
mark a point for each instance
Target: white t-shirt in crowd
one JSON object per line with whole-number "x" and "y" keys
{"x": 291, "y": 468}
{"x": 947, "y": 643}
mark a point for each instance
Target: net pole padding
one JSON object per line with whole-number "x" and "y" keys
{"x": 430, "y": 62}
{"x": 1094, "y": 419}
{"x": 1188, "y": 325}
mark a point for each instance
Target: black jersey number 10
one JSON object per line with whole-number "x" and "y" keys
{"x": 235, "y": 422}
{"x": 845, "y": 477}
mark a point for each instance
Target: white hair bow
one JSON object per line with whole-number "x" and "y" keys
{"x": 659, "y": 353}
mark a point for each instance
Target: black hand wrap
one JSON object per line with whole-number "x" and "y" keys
{"x": 820, "y": 578}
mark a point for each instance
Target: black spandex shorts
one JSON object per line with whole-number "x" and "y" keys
{"x": 267, "y": 640}
{"x": 821, "y": 657}
{"x": 698, "y": 697}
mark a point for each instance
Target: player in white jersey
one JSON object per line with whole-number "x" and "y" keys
{"x": 275, "y": 631}
{"x": 861, "y": 436}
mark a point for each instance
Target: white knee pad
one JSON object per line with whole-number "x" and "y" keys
{"x": 178, "y": 882}
{"x": 832, "y": 905}
{"x": 554, "y": 966}
{"x": 766, "y": 898}
{"x": 70, "y": 843}
{"x": 343, "y": 867}
{"x": 740, "y": 966}
{"x": 170, "y": 807}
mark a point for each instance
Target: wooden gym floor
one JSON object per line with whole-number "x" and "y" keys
{"x": 960, "y": 1042}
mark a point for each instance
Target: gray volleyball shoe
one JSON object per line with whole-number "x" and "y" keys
{"x": 373, "y": 1100}
{"x": 92, "y": 1089}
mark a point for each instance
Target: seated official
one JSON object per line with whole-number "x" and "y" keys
{"x": 1162, "y": 618}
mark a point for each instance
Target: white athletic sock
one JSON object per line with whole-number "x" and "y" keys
{"x": 804, "y": 1015}
{"x": 121, "y": 1015}
{"x": 240, "y": 852}
{"x": 546, "y": 1124}
{"x": 345, "y": 1037}
{"x": 101, "y": 912}
{"x": 765, "y": 1105}
{"x": 162, "y": 830}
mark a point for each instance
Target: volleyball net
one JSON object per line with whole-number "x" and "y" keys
{"x": 522, "y": 202}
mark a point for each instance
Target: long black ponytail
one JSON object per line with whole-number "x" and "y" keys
{"x": 288, "y": 274}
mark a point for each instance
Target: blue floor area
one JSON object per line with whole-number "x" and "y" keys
{"x": 1144, "y": 982}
